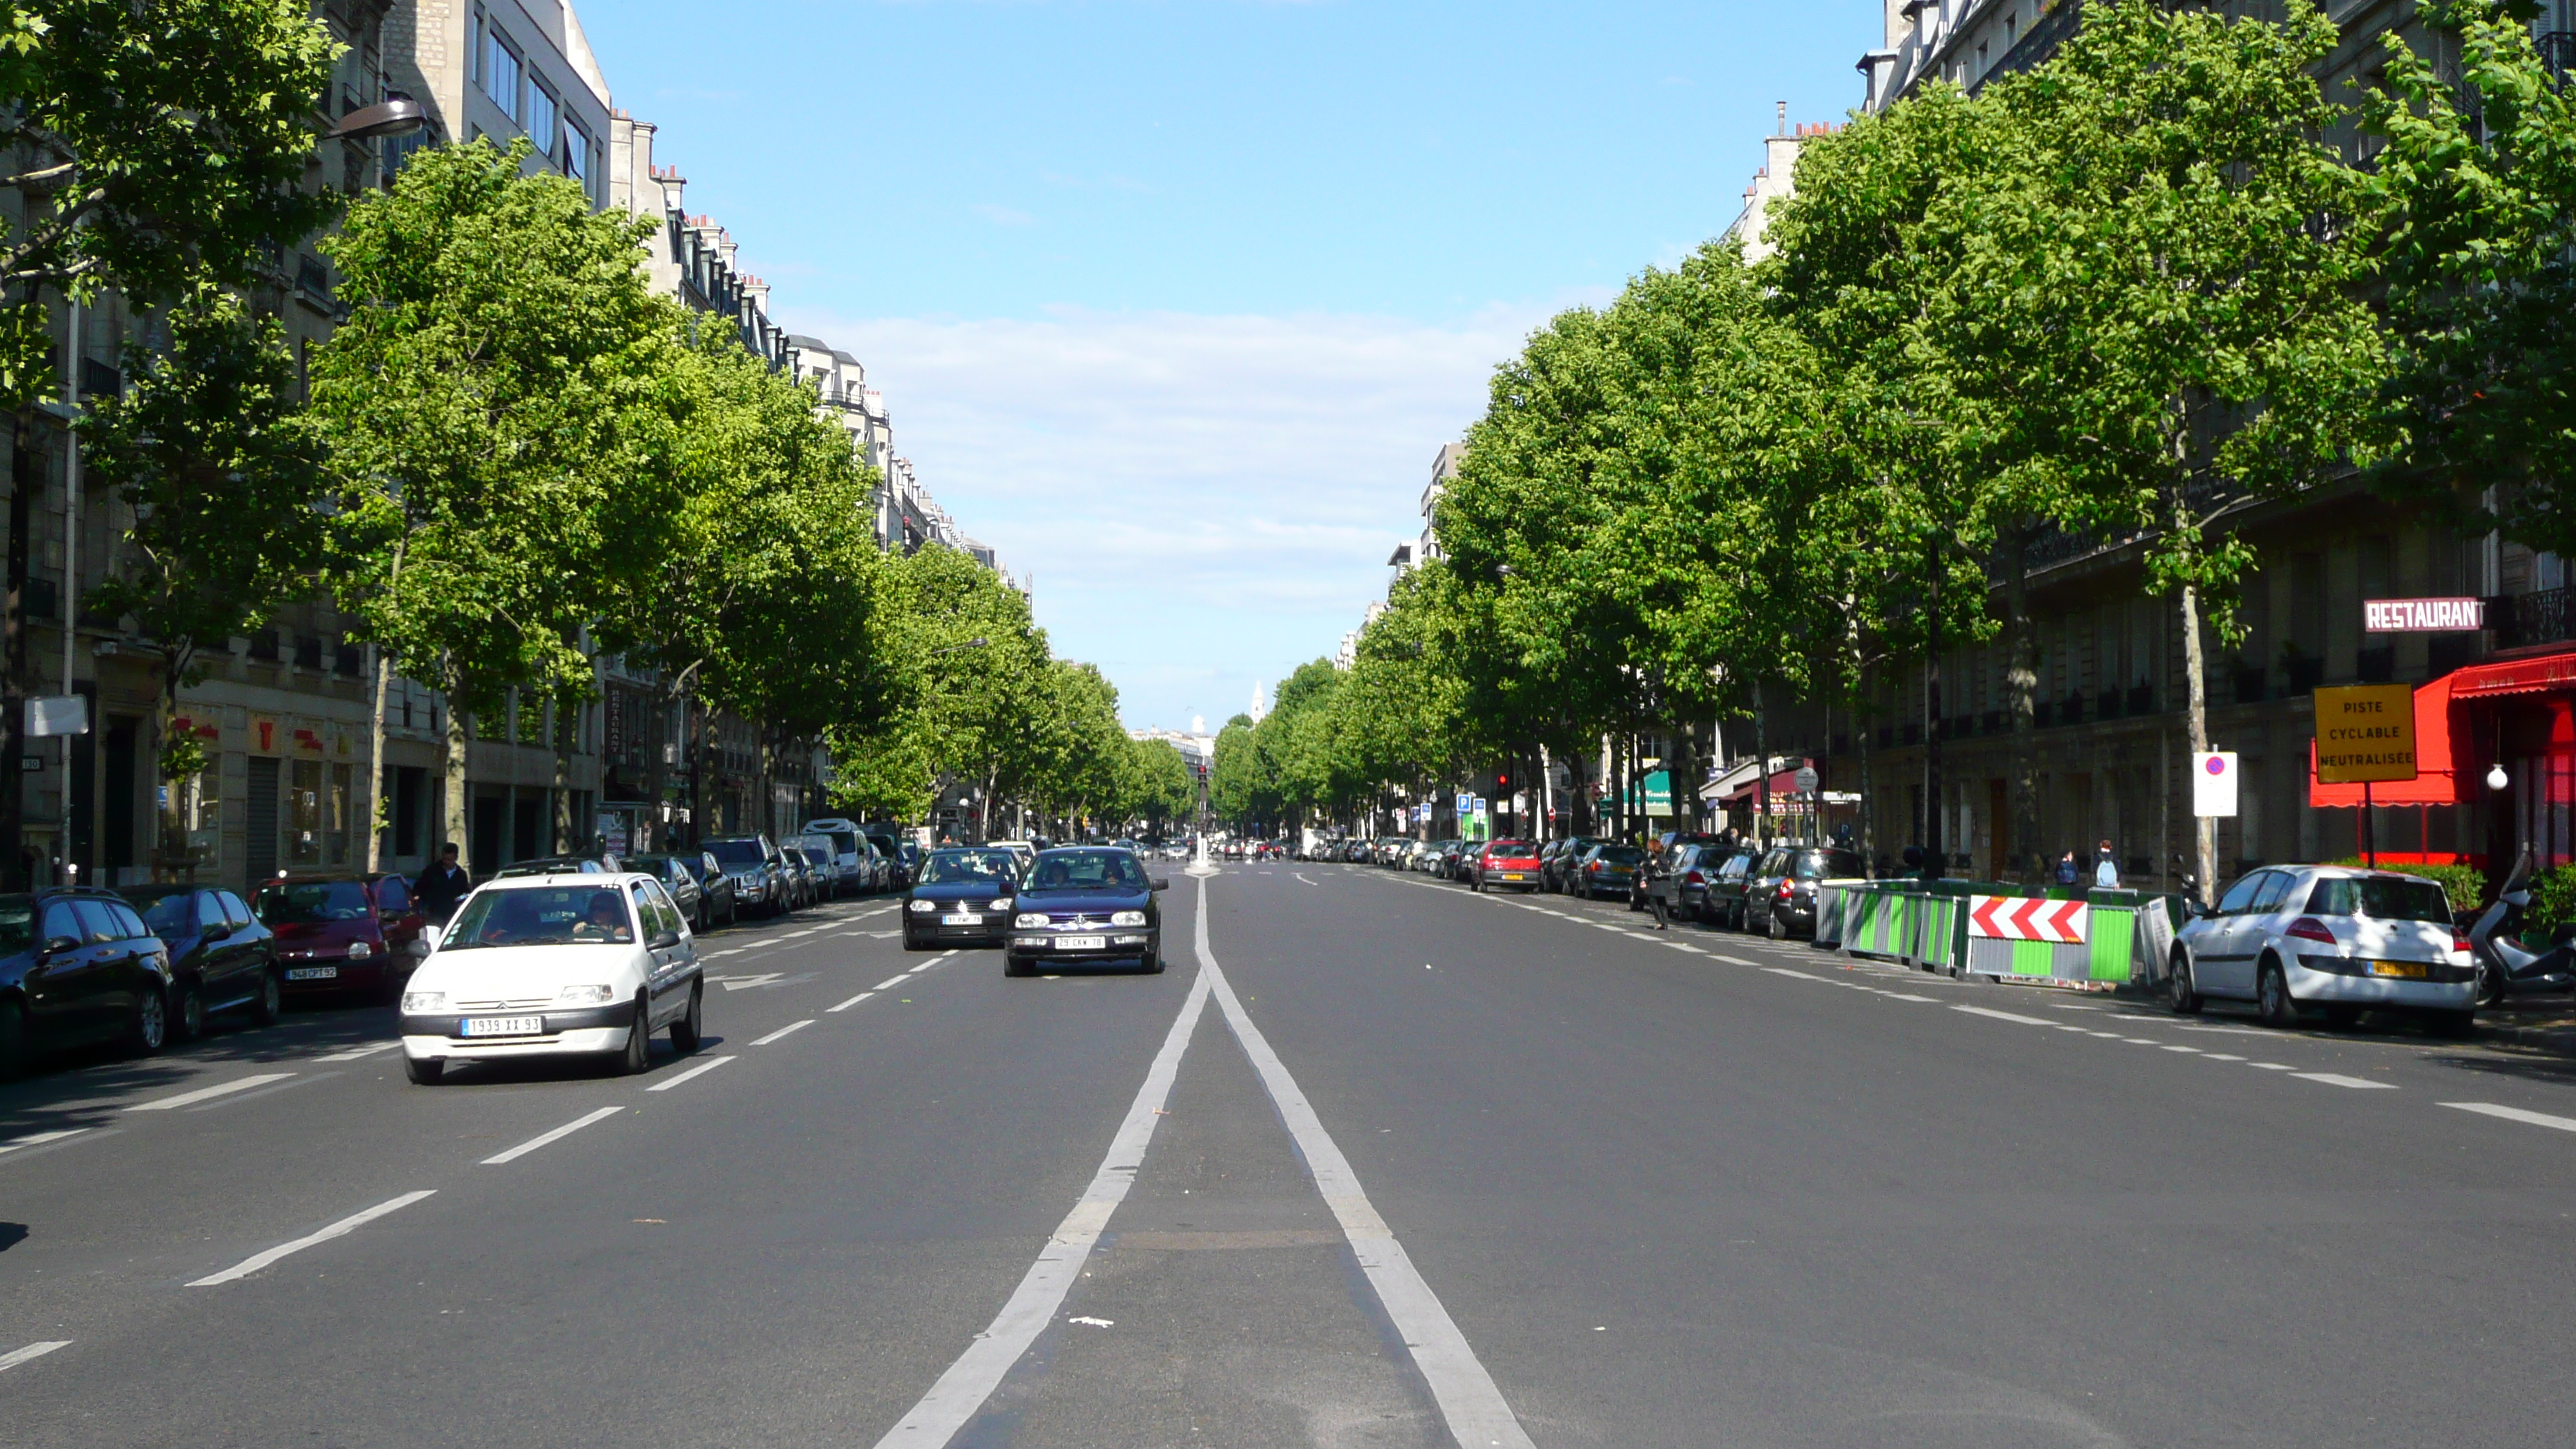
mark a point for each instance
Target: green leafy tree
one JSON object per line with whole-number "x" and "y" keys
{"x": 152, "y": 147}
{"x": 206, "y": 448}
{"x": 2477, "y": 192}
{"x": 499, "y": 429}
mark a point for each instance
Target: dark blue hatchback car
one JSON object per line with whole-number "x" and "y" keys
{"x": 1086, "y": 905}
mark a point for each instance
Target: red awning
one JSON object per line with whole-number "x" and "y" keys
{"x": 2435, "y": 782}
{"x": 2515, "y": 676}
{"x": 1783, "y": 783}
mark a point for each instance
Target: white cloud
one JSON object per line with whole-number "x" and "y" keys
{"x": 1204, "y": 500}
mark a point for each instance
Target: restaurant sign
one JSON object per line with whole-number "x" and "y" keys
{"x": 2422, "y": 616}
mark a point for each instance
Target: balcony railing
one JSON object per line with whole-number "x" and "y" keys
{"x": 2547, "y": 616}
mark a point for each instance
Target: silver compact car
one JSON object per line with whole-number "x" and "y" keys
{"x": 2328, "y": 940}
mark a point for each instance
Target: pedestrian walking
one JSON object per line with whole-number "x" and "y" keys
{"x": 2106, "y": 868}
{"x": 2067, "y": 871}
{"x": 441, "y": 886}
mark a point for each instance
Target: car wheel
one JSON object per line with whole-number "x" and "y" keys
{"x": 188, "y": 1021}
{"x": 2272, "y": 999}
{"x": 151, "y": 1023}
{"x": 1014, "y": 966}
{"x": 705, "y": 922}
{"x": 638, "y": 1042}
{"x": 424, "y": 1071}
{"x": 270, "y": 1003}
{"x": 690, "y": 1029}
{"x": 2179, "y": 993}
{"x": 1153, "y": 963}
{"x": 13, "y": 1041}
{"x": 1776, "y": 926}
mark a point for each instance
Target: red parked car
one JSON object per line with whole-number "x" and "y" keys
{"x": 357, "y": 933}
{"x": 1502, "y": 863}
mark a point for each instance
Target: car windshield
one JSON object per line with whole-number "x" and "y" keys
{"x": 1088, "y": 870}
{"x": 819, "y": 854}
{"x": 947, "y": 867}
{"x": 169, "y": 913}
{"x": 1621, "y": 854}
{"x": 301, "y": 903}
{"x": 545, "y": 916}
{"x": 2380, "y": 897}
{"x": 845, "y": 842}
{"x": 736, "y": 852}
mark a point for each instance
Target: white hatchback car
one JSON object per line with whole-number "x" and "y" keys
{"x": 2330, "y": 939}
{"x": 555, "y": 965}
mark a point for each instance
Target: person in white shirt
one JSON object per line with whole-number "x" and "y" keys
{"x": 2106, "y": 869}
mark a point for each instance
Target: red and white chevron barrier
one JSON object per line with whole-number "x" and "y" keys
{"x": 2019, "y": 918}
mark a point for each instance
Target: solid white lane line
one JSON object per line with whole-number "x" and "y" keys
{"x": 2338, "y": 1079}
{"x": 17, "y": 1356}
{"x": 788, "y": 1030}
{"x": 2516, "y": 1114}
{"x": 557, "y": 1135}
{"x": 962, "y": 1390}
{"x": 889, "y": 983}
{"x": 342, "y": 1228}
{"x": 39, "y": 1139}
{"x": 354, "y": 1053}
{"x": 1465, "y": 1393}
{"x": 853, "y": 1001}
{"x": 164, "y": 1104}
{"x": 700, "y": 1070}
{"x": 2003, "y": 1015}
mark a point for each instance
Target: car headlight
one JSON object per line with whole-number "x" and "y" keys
{"x": 360, "y": 950}
{"x": 1128, "y": 918}
{"x": 581, "y": 996}
{"x": 923, "y": 907}
{"x": 420, "y": 1001}
{"x": 1029, "y": 920}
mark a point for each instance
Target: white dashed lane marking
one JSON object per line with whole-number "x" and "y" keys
{"x": 2338, "y": 1079}
{"x": 2515, "y": 1114}
{"x": 17, "y": 1356}
{"x": 354, "y": 1053}
{"x": 788, "y": 1030}
{"x": 557, "y": 1135}
{"x": 342, "y": 1228}
{"x": 700, "y": 1070}
{"x": 39, "y": 1139}
{"x": 853, "y": 1001}
{"x": 202, "y": 1094}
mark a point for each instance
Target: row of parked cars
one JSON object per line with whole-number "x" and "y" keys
{"x": 150, "y": 964}
{"x": 1687, "y": 877}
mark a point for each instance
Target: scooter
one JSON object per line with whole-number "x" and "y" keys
{"x": 2507, "y": 967}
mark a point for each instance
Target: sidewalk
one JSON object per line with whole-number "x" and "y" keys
{"x": 2537, "y": 1023}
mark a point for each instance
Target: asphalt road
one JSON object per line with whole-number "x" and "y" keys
{"x": 1376, "y": 1162}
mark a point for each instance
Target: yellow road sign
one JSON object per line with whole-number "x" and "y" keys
{"x": 2365, "y": 733}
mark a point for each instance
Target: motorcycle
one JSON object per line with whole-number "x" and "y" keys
{"x": 2506, "y": 966}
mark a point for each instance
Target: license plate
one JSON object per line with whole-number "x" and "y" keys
{"x": 505, "y": 1026}
{"x": 2413, "y": 970}
{"x": 963, "y": 919}
{"x": 1516, "y": 875}
{"x": 1082, "y": 943}
{"x": 312, "y": 973}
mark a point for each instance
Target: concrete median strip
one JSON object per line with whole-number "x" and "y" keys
{"x": 342, "y": 1228}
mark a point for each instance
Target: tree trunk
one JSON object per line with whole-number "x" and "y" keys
{"x": 2021, "y": 683}
{"x": 381, "y": 667}
{"x": 14, "y": 874}
{"x": 567, "y": 718}
{"x": 2196, "y": 715}
{"x": 1681, "y": 776}
{"x": 1935, "y": 851}
{"x": 1867, "y": 733}
{"x": 1761, "y": 768}
{"x": 456, "y": 813}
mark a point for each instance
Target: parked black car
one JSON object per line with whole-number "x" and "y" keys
{"x": 679, "y": 876}
{"x": 1608, "y": 869}
{"x": 1726, "y": 888}
{"x": 1781, "y": 897}
{"x": 221, "y": 957}
{"x": 1677, "y": 881}
{"x": 1556, "y": 869}
{"x": 77, "y": 965}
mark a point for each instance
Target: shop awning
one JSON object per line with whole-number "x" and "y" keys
{"x": 2515, "y": 676}
{"x": 2435, "y": 781}
{"x": 1783, "y": 783}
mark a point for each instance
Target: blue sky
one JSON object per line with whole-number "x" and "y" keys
{"x": 1175, "y": 302}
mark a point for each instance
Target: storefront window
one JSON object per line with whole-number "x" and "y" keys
{"x": 304, "y": 814}
{"x": 336, "y": 813}
{"x": 192, "y": 814}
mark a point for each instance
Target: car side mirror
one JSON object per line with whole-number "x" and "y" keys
{"x": 1162, "y": 883}
{"x": 60, "y": 944}
{"x": 665, "y": 940}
